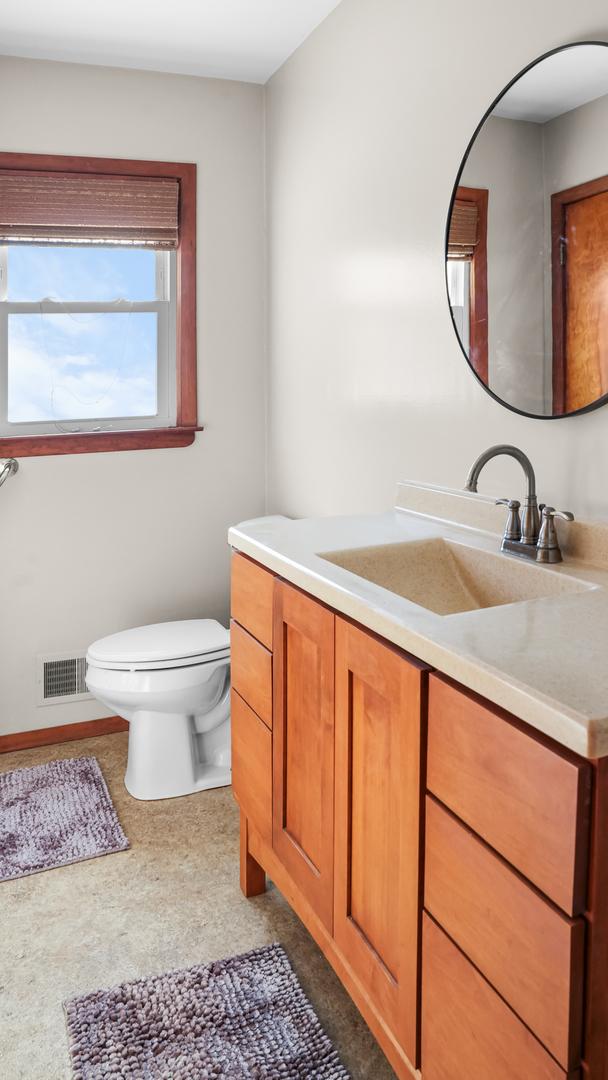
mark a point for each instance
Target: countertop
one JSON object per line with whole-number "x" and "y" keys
{"x": 545, "y": 660}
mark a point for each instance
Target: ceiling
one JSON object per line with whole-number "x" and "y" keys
{"x": 558, "y": 84}
{"x": 224, "y": 39}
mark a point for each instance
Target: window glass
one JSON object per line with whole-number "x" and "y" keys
{"x": 99, "y": 274}
{"x": 459, "y": 287}
{"x": 74, "y": 366}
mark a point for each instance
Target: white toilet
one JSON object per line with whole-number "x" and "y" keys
{"x": 171, "y": 681}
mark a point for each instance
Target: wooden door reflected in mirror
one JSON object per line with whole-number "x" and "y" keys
{"x": 579, "y": 253}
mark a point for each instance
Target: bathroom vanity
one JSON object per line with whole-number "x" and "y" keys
{"x": 419, "y": 725}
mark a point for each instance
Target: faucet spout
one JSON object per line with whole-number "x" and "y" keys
{"x": 530, "y": 521}
{"x": 497, "y": 451}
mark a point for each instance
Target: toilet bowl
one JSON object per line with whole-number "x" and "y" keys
{"x": 171, "y": 681}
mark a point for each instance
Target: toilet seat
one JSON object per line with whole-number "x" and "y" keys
{"x": 159, "y": 665}
{"x": 183, "y": 643}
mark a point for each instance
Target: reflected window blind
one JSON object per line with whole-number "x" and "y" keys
{"x": 81, "y": 208}
{"x": 464, "y": 230}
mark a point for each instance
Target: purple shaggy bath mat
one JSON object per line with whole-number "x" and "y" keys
{"x": 245, "y": 1018}
{"x": 55, "y": 814}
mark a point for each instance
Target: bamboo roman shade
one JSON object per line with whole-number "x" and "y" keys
{"x": 464, "y": 230}
{"x": 56, "y": 207}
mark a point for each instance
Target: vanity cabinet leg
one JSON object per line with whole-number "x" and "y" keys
{"x": 253, "y": 876}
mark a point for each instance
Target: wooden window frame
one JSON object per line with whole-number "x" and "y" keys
{"x": 478, "y": 293}
{"x": 560, "y": 200}
{"x": 183, "y": 432}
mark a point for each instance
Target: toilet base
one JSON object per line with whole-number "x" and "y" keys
{"x": 164, "y": 757}
{"x": 211, "y": 776}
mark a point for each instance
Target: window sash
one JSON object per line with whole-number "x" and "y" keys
{"x": 164, "y": 306}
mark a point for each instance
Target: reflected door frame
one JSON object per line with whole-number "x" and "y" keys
{"x": 560, "y": 201}
{"x": 478, "y": 321}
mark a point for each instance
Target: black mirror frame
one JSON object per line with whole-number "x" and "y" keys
{"x": 513, "y": 408}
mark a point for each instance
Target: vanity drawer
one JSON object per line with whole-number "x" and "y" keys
{"x": 526, "y": 799}
{"x": 467, "y": 1030}
{"x": 528, "y": 950}
{"x": 251, "y": 598}
{"x": 252, "y": 766}
{"x": 251, "y": 671}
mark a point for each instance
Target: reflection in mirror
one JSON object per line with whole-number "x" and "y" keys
{"x": 527, "y": 243}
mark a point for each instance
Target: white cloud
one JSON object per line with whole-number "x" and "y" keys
{"x": 71, "y": 386}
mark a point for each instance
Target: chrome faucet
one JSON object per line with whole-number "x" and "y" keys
{"x": 530, "y": 520}
{"x": 523, "y": 536}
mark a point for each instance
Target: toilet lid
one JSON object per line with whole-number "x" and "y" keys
{"x": 162, "y": 642}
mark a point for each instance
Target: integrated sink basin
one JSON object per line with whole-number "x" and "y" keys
{"x": 448, "y": 577}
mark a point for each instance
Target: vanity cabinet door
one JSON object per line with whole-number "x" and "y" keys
{"x": 303, "y": 745}
{"x": 379, "y": 697}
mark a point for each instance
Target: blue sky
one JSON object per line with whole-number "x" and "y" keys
{"x": 81, "y": 273}
{"x": 75, "y": 366}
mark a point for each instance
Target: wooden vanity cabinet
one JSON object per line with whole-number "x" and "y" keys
{"x": 379, "y": 798}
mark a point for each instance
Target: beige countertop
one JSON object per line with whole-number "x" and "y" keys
{"x": 545, "y": 660}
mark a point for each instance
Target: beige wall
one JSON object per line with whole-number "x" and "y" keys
{"x": 94, "y": 543}
{"x": 574, "y": 146}
{"x": 366, "y": 127}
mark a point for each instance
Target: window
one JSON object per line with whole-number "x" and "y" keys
{"x": 87, "y": 339}
{"x": 97, "y": 305}
{"x": 467, "y": 274}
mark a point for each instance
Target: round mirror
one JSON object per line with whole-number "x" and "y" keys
{"x": 527, "y": 238}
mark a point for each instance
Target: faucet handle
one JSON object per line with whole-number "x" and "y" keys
{"x": 513, "y": 526}
{"x": 551, "y": 512}
{"x": 548, "y": 546}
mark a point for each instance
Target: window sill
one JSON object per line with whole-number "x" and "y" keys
{"x": 95, "y": 442}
